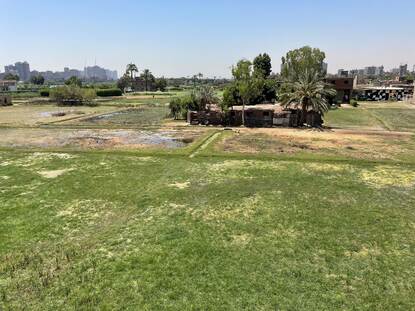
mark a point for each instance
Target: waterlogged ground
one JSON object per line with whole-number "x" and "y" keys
{"x": 33, "y": 115}
{"x": 95, "y": 138}
{"x": 106, "y": 231}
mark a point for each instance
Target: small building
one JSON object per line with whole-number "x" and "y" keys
{"x": 5, "y": 100}
{"x": 264, "y": 115}
{"x": 344, "y": 87}
{"x": 382, "y": 93}
{"x": 8, "y": 86}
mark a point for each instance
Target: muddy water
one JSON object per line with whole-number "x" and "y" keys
{"x": 89, "y": 138}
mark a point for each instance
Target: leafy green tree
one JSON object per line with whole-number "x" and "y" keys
{"x": 179, "y": 106}
{"x": 38, "y": 80}
{"x": 10, "y": 76}
{"x": 148, "y": 78}
{"x": 297, "y": 61}
{"x": 72, "y": 95}
{"x": 161, "y": 84}
{"x": 74, "y": 81}
{"x": 131, "y": 70}
{"x": 309, "y": 92}
{"x": 246, "y": 83}
{"x": 262, "y": 65}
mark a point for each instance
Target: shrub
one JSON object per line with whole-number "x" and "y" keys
{"x": 44, "y": 93}
{"x": 177, "y": 109}
{"x": 354, "y": 103}
{"x": 72, "y": 95}
{"x": 179, "y": 106}
{"x": 109, "y": 92}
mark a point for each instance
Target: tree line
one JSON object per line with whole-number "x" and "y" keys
{"x": 300, "y": 85}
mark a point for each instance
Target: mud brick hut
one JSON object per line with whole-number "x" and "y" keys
{"x": 265, "y": 115}
{"x": 344, "y": 87}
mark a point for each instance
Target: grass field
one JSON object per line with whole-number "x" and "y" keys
{"x": 248, "y": 219}
{"x": 104, "y": 231}
{"x": 351, "y": 118}
{"x": 334, "y": 144}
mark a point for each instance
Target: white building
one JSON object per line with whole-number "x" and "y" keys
{"x": 8, "y": 86}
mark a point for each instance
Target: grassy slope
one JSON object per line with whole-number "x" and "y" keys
{"x": 351, "y": 117}
{"x": 176, "y": 233}
{"x": 396, "y": 119}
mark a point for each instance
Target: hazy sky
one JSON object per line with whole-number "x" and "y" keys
{"x": 184, "y": 37}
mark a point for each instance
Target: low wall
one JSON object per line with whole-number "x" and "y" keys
{"x": 5, "y": 100}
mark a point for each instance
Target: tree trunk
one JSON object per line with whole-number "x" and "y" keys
{"x": 304, "y": 112}
{"x": 243, "y": 112}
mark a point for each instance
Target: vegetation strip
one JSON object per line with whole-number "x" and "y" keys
{"x": 203, "y": 145}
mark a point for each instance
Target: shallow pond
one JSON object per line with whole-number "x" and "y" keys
{"x": 92, "y": 138}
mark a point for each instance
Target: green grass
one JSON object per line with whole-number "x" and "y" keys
{"x": 128, "y": 102}
{"x": 396, "y": 119}
{"x": 351, "y": 117}
{"x": 157, "y": 233}
{"x": 163, "y": 230}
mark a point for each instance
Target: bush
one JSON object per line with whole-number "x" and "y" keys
{"x": 44, "y": 93}
{"x": 72, "y": 95}
{"x": 354, "y": 103}
{"x": 179, "y": 106}
{"x": 109, "y": 92}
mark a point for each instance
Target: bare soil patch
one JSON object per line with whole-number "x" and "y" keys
{"x": 349, "y": 143}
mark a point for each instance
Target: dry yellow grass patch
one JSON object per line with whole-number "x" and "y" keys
{"x": 285, "y": 233}
{"x": 386, "y": 176}
{"x": 364, "y": 252}
{"x": 349, "y": 143}
{"x": 241, "y": 239}
{"x": 245, "y": 209}
{"x": 79, "y": 212}
{"x": 54, "y": 173}
{"x": 180, "y": 185}
{"x": 327, "y": 167}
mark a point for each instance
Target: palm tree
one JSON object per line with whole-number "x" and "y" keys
{"x": 131, "y": 69}
{"x": 147, "y": 76}
{"x": 309, "y": 93}
{"x": 207, "y": 97}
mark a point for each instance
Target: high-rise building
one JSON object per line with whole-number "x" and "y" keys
{"x": 403, "y": 70}
{"x": 342, "y": 73}
{"x": 23, "y": 70}
{"x": 111, "y": 75}
{"x": 379, "y": 71}
{"x": 370, "y": 71}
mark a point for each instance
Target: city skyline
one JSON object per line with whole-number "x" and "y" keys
{"x": 23, "y": 70}
{"x": 114, "y": 74}
{"x": 185, "y": 37}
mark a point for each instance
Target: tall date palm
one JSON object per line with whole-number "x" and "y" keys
{"x": 308, "y": 93}
{"x": 131, "y": 69}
